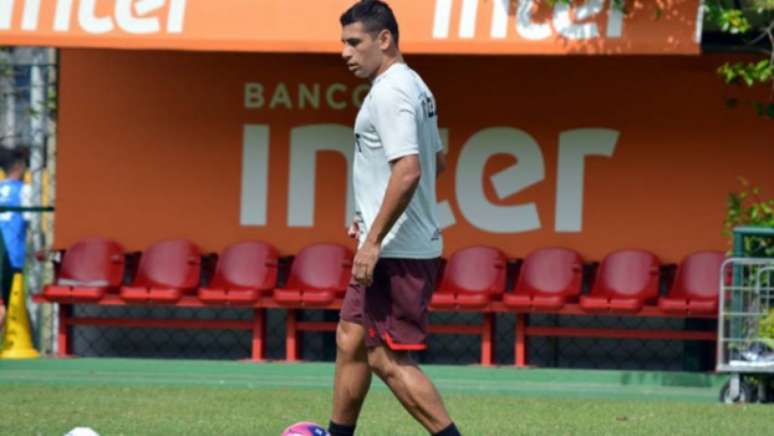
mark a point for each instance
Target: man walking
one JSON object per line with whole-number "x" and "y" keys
{"x": 13, "y": 225}
{"x": 397, "y": 158}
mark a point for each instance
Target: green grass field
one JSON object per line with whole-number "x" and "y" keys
{"x": 150, "y": 397}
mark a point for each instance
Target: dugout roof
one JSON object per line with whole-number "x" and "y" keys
{"x": 427, "y": 26}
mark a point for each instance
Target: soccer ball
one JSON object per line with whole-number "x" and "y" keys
{"x": 81, "y": 431}
{"x": 305, "y": 429}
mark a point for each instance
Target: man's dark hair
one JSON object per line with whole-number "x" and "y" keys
{"x": 10, "y": 157}
{"x": 375, "y": 15}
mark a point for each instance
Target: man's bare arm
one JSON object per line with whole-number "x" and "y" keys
{"x": 406, "y": 172}
{"x": 404, "y": 178}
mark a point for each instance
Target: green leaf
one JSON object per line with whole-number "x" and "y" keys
{"x": 727, "y": 72}
{"x": 734, "y": 203}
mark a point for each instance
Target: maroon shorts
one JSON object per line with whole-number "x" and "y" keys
{"x": 393, "y": 310}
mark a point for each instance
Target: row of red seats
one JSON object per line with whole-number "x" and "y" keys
{"x": 473, "y": 278}
{"x": 169, "y": 270}
{"x": 550, "y": 278}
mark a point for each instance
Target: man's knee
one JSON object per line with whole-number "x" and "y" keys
{"x": 349, "y": 338}
{"x": 385, "y": 363}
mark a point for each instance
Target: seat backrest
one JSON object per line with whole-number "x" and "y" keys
{"x": 94, "y": 262}
{"x": 698, "y": 276}
{"x": 170, "y": 264}
{"x": 628, "y": 273}
{"x": 551, "y": 271}
{"x": 475, "y": 269}
{"x": 322, "y": 267}
{"x": 246, "y": 265}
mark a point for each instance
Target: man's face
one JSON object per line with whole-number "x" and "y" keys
{"x": 19, "y": 167}
{"x": 362, "y": 51}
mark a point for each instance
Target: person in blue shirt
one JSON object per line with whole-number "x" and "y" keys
{"x": 13, "y": 225}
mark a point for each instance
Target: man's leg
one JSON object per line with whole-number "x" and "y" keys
{"x": 353, "y": 374}
{"x": 412, "y": 387}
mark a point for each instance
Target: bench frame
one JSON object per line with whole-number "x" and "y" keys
{"x": 293, "y": 326}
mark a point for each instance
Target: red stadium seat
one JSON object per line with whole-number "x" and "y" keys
{"x": 319, "y": 274}
{"x": 548, "y": 279}
{"x": 245, "y": 271}
{"x": 696, "y": 286}
{"x": 167, "y": 271}
{"x": 90, "y": 269}
{"x": 626, "y": 281}
{"x": 472, "y": 278}
{"x": 319, "y": 277}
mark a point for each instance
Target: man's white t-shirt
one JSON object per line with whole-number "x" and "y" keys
{"x": 398, "y": 118}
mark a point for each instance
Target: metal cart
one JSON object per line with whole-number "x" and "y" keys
{"x": 746, "y": 329}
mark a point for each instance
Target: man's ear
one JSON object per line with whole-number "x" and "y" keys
{"x": 385, "y": 39}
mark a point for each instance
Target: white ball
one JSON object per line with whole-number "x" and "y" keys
{"x": 81, "y": 431}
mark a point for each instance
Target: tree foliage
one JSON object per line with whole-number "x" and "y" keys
{"x": 752, "y": 22}
{"x": 748, "y": 208}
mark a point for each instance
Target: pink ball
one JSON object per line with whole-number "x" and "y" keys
{"x": 305, "y": 429}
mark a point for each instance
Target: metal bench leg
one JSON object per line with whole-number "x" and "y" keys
{"x": 258, "y": 334}
{"x": 487, "y": 339}
{"x": 291, "y": 337}
{"x": 63, "y": 337}
{"x": 521, "y": 341}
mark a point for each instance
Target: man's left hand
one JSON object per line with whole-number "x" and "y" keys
{"x": 365, "y": 262}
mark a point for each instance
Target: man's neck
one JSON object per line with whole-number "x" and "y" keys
{"x": 398, "y": 59}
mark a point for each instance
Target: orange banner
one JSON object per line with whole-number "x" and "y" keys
{"x": 636, "y": 152}
{"x": 427, "y": 26}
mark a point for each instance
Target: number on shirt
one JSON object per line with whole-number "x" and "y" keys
{"x": 428, "y": 104}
